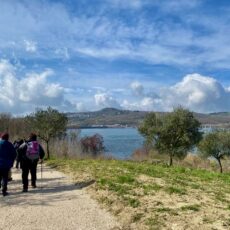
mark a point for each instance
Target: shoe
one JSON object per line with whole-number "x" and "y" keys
{"x": 25, "y": 190}
{"x": 33, "y": 184}
{"x": 5, "y": 193}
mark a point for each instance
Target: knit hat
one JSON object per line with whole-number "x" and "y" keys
{"x": 5, "y": 136}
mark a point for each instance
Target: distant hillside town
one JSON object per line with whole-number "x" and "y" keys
{"x": 116, "y": 118}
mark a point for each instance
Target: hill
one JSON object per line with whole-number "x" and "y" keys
{"x": 111, "y": 117}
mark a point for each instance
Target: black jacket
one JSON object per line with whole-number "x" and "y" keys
{"x": 22, "y": 158}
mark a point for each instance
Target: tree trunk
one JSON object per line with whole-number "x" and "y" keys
{"x": 219, "y": 161}
{"x": 47, "y": 150}
{"x": 170, "y": 159}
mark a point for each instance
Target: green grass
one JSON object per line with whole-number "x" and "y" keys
{"x": 137, "y": 217}
{"x": 194, "y": 207}
{"x": 151, "y": 188}
{"x": 141, "y": 188}
{"x": 154, "y": 223}
{"x": 177, "y": 190}
{"x": 163, "y": 209}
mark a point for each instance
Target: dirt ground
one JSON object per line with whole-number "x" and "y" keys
{"x": 56, "y": 203}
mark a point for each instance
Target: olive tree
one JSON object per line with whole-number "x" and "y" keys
{"x": 173, "y": 133}
{"x": 216, "y": 145}
{"x": 47, "y": 124}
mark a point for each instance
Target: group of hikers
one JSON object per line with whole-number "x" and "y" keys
{"x": 27, "y": 154}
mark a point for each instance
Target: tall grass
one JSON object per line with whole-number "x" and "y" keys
{"x": 67, "y": 146}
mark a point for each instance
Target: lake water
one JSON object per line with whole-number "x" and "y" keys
{"x": 119, "y": 142}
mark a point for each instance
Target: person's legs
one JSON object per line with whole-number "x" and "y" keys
{"x": 17, "y": 164}
{"x": 10, "y": 175}
{"x": 0, "y": 178}
{"x": 25, "y": 174}
{"x": 4, "y": 181}
{"x": 33, "y": 171}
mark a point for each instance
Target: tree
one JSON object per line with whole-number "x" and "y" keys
{"x": 5, "y": 122}
{"x": 173, "y": 133}
{"x": 150, "y": 128}
{"x": 47, "y": 124}
{"x": 92, "y": 144}
{"x": 217, "y": 145}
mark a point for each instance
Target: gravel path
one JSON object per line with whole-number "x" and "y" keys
{"x": 57, "y": 203}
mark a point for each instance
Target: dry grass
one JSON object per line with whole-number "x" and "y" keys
{"x": 154, "y": 196}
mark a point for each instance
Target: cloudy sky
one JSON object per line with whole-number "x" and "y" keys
{"x": 84, "y": 55}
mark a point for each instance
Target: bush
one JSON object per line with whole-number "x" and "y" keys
{"x": 92, "y": 144}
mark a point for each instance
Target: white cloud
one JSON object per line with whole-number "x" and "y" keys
{"x": 21, "y": 95}
{"x": 103, "y": 36}
{"x": 80, "y": 107}
{"x": 30, "y": 46}
{"x": 63, "y": 52}
{"x": 196, "y": 92}
{"x": 137, "y": 88}
{"x": 104, "y": 100}
{"x": 33, "y": 90}
{"x": 199, "y": 93}
{"x": 133, "y": 4}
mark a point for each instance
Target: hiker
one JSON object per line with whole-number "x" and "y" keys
{"x": 7, "y": 157}
{"x": 29, "y": 154}
{"x": 16, "y": 146}
{"x": 9, "y": 172}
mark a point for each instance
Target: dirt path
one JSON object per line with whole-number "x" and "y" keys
{"x": 56, "y": 203}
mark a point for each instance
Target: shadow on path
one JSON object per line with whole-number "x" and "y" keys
{"x": 48, "y": 190}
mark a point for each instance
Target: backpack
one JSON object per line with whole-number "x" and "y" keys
{"x": 32, "y": 151}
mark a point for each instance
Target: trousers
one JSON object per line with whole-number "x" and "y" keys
{"x": 4, "y": 179}
{"x": 29, "y": 167}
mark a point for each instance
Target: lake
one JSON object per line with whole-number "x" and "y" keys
{"x": 119, "y": 142}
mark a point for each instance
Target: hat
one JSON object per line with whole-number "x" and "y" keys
{"x": 5, "y": 136}
{"x": 33, "y": 137}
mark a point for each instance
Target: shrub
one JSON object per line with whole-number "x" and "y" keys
{"x": 92, "y": 144}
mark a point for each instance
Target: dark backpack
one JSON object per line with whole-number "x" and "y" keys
{"x": 32, "y": 151}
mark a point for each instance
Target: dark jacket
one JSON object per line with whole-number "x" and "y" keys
{"x": 22, "y": 158}
{"x": 7, "y": 154}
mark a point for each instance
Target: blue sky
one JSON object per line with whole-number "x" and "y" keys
{"x": 84, "y": 55}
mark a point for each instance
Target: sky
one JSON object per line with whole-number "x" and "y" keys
{"x": 85, "y": 55}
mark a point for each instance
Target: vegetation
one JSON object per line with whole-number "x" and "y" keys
{"x": 111, "y": 116}
{"x": 217, "y": 145}
{"x": 92, "y": 144}
{"x": 174, "y": 134}
{"x": 153, "y": 196}
{"x": 5, "y": 121}
{"x": 146, "y": 195}
{"x": 47, "y": 124}
{"x": 16, "y": 127}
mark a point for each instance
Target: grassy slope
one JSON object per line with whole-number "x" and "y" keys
{"x": 147, "y": 196}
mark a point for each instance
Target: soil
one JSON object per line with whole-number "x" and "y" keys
{"x": 56, "y": 203}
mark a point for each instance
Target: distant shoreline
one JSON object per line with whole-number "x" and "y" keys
{"x": 100, "y": 127}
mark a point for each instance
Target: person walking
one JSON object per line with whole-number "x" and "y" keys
{"x": 17, "y": 144}
{"x": 29, "y": 153}
{"x": 7, "y": 157}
